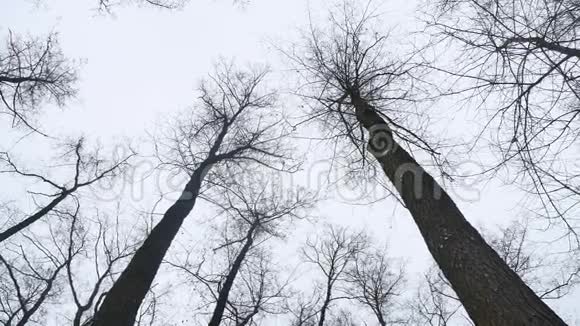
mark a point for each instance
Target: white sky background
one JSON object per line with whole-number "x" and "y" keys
{"x": 142, "y": 64}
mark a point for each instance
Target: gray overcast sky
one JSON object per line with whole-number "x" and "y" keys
{"x": 142, "y": 64}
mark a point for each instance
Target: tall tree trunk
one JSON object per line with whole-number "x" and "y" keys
{"x": 120, "y": 306}
{"x": 222, "y": 300}
{"x": 491, "y": 293}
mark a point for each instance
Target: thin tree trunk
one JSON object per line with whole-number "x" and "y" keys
{"x": 380, "y": 317}
{"x": 325, "y": 305}
{"x": 78, "y": 316}
{"x": 120, "y": 306}
{"x": 35, "y": 217}
{"x": 491, "y": 293}
{"x": 222, "y": 300}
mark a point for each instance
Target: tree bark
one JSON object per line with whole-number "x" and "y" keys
{"x": 120, "y": 306}
{"x": 491, "y": 293}
{"x": 222, "y": 300}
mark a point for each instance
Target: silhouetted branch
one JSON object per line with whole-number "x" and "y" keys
{"x": 33, "y": 71}
{"x": 88, "y": 169}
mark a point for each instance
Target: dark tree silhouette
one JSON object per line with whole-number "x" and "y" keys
{"x": 88, "y": 168}
{"x": 342, "y": 318}
{"x": 552, "y": 278}
{"x": 235, "y": 127}
{"x": 303, "y": 311}
{"x": 518, "y": 63}
{"x": 260, "y": 294}
{"x": 105, "y": 249}
{"x": 73, "y": 256}
{"x": 30, "y": 277}
{"x": 253, "y": 216}
{"x": 437, "y": 304}
{"x": 354, "y": 84}
{"x": 258, "y": 215}
{"x": 332, "y": 254}
{"x": 375, "y": 282}
{"x": 32, "y": 72}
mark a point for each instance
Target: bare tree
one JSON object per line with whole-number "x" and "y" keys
{"x": 247, "y": 284}
{"x": 33, "y": 71}
{"x": 342, "y": 318}
{"x": 303, "y": 311}
{"x": 235, "y": 126}
{"x": 551, "y": 276}
{"x": 355, "y": 85}
{"x": 87, "y": 168}
{"x": 54, "y": 264}
{"x": 519, "y": 63}
{"x": 25, "y": 289}
{"x": 437, "y": 304}
{"x": 31, "y": 271}
{"x": 260, "y": 216}
{"x": 104, "y": 248}
{"x": 259, "y": 292}
{"x": 374, "y": 283}
{"x": 332, "y": 254}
